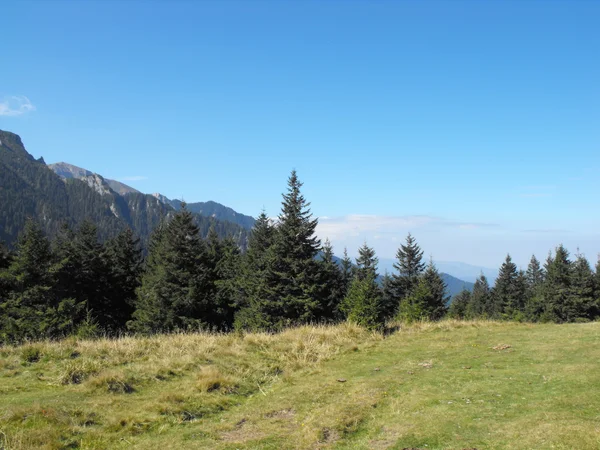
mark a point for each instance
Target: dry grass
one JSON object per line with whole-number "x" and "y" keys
{"x": 428, "y": 385}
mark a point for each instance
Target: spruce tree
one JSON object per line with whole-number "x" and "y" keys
{"x": 223, "y": 258}
{"x": 331, "y": 288}
{"x": 389, "y": 301}
{"x": 173, "y": 292}
{"x": 296, "y": 247}
{"x": 534, "y": 304}
{"x": 459, "y": 307}
{"x": 409, "y": 267}
{"x": 556, "y": 289}
{"x": 31, "y": 309}
{"x": 362, "y": 304}
{"x": 366, "y": 263}
{"x": 436, "y": 306}
{"x": 582, "y": 304}
{"x": 123, "y": 256}
{"x": 347, "y": 269}
{"x": 505, "y": 301}
{"x": 480, "y": 304}
{"x": 257, "y": 308}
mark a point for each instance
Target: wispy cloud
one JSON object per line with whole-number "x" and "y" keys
{"x": 547, "y": 230}
{"x": 538, "y": 191}
{"x": 15, "y": 105}
{"x": 133, "y": 178}
{"x": 359, "y": 224}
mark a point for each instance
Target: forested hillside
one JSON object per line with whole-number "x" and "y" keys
{"x": 29, "y": 189}
{"x": 199, "y": 278}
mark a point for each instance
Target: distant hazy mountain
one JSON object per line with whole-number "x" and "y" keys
{"x": 66, "y": 193}
{"x": 460, "y": 270}
{"x": 454, "y": 285}
{"x": 466, "y": 271}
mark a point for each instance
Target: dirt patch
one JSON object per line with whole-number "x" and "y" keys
{"x": 287, "y": 413}
{"x": 243, "y": 432}
{"x": 501, "y": 347}
{"x": 328, "y": 436}
{"x": 426, "y": 364}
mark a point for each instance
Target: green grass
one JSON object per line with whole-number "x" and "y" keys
{"x": 427, "y": 386}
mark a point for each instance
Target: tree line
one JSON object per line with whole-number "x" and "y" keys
{"x": 76, "y": 284}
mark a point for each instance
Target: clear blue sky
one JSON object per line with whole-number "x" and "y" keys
{"x": 475, "y": 125}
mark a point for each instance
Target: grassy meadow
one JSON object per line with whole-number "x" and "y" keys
{"x": 446, "y": 385}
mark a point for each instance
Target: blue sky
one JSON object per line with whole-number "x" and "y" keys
{"x": 474, "y": 125}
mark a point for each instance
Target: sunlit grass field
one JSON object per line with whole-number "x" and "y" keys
{"x": 447, "y": 385}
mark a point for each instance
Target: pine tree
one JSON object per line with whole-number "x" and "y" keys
{"x": 366, "y": 263}
{"x": 389, "y": 301}
{"x": 505, "y": 301}
{"x": 331, "y": 287}
{"x": 347, "y": 269}
{"x": 436, "y": 306}
{"x": 480, "y": 304}
{"x": 534, "y": 275}
{"x": 409, "y": 267}
{"x": 459, "y": 308}
{"x": 534, "y": 303}
{"x": 173, "y": 292}
{"x": 296, "y": 247}
{"x": 556, "y": 289}
{"x": 362, "y": 303}
{"x": 257, "y": 308}
{"x": 123, "y": 256}
{"x": 582, "y": 304}
{"x": 31, "y": 309}
{"x": 223, "y": 258}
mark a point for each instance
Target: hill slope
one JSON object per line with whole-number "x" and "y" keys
{"x": 431, "y": 386}
{"x": 29, "y": 188}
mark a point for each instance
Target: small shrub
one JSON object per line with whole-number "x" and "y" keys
{"x": 211, "y": 379}
{"x": 76, "y": 371}
{"x": 114, "y": 382}
{"x": 31, "y": 354}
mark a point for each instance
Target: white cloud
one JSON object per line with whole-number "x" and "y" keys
{"x": 133, "y": 178}
{"x": 15, "y": 105}
{"x": 377, "y": 226}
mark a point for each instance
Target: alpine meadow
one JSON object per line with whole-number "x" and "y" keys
{"x": 299, "y": 225}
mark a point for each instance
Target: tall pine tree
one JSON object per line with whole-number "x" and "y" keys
{"x": 174, "y": 291}
{"x": 296, "y": 247}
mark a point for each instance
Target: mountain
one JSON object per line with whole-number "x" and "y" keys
{"x": 454, "y": 285}
{"x": 211, "y": 209}
{"x": 466, "y": 271}
{"x": 207, "y": 209}
{"x": 65, "y": 193}
{"x": 460, "y": 270}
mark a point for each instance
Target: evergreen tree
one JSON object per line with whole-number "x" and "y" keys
{"x": 296, "y": 247}
{"x": 534, "y": 303}
{"x": 223, "y": 257}
{"x": 366, "y": 263}
{"x": 436, "y": 306}
{"x": 257, "y": 308}
{"x": 389, "y": 301}
{"x": 409, "y": 267}
{"x": 362, "y": 303}
{"x": 347, "y": 269}
{"x": 427, "y": 300}
{"x": 480, "y": 304}
{"x": 123, "y": 256}
{"x": 5, "y": 256}
{"x": 459, "y": 308}
{"x": 556, "y": 289}
{"x": 505, "y": 300}
{"x": 31, "y": 309}
{"x": 582, "y": 304}
{"x": 331, "y": 286}
{"x": 173, "y": 292}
